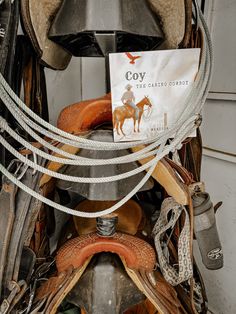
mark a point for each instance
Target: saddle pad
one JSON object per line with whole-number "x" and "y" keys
{"x": 37, "y": 17}
{"x": 172, "y": 15}
{"x": 137, "y": 253}
{"x": 77, "y": 26}
{"x": 129, "y": 216}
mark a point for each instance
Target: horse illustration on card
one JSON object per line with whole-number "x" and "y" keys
{"x": 165, "y": 76}
{"x": 129, "y": 110}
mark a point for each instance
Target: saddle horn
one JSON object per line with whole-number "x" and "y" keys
{"x": 93, "y": 28}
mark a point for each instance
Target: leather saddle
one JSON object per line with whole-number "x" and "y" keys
{"x": 86, "y": 254}
{"x": 75, "y": 259}
{"x": 138, "y": 259}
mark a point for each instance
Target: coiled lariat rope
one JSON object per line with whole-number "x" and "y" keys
{"x": 156, "y": 147}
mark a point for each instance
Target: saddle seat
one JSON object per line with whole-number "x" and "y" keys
{"x": 85, "y": 115}
{"x": 137, "y": 253}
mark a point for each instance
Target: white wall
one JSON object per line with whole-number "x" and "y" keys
{"x": 83, "y": 79}
{"x": 219, "y": 168}
{"x": 219, "y": 174}
{"x": 63, "y": 88}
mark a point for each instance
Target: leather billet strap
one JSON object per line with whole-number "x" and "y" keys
{"x": 23, "y": 205}
{"x": 191, "y": 152}
{"x": 174, "y": 277}
{"x": 7, "y": 213}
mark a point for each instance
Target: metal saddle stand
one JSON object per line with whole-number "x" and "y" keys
{"x": 95, "y": 27}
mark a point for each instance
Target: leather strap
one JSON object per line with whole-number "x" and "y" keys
{"x": 17, "y": 289}
{"x": 30, "y": 74}
{"x": 165, "y": 175}
{"x": 185, "y": 175}
{"x": 23, "y": 203}
{"x": 7, "y": 213}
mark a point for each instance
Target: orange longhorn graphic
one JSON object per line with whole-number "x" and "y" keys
{"x": 132, "y": 58}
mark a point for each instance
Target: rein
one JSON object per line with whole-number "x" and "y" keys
{"x": 147, "y": 116}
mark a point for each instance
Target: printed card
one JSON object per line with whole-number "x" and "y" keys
{"x": 148, "y": 90}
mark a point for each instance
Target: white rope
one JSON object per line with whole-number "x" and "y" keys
{"x": 13, "y": 151}
{"x": 82, "y": 213}
{"x": 25, "y": 122}
{"x": 193, "y": 102}
{"x": 144, "y": 153}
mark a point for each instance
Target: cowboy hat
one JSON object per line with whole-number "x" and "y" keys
{"x": 128, "y": 86}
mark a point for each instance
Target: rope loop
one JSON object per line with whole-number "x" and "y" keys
{"x": 157, "y": 147}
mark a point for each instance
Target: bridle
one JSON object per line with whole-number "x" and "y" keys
{"x": 147, "y": 116}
